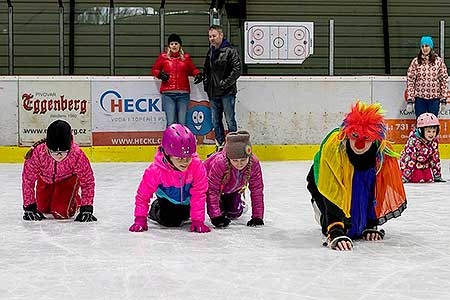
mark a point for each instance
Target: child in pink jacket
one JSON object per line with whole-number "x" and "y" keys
{"x": 60, "y": 169}
{"x": 420, "y": 160}
{"x": 178, "y": 179}
{"x": 230, "y": 171}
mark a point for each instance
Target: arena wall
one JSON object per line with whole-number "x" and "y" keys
{"x": 286, "y": 116}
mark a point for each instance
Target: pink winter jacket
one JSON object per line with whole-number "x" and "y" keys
{"x": 188, "y": 187}
{"x": 216, "y": 166}
{"x": 428, "y": 81}
{"x": 42, "y": 165}
{"x": 420, "y": 154}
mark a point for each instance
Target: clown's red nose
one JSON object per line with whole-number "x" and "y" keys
{"x": 360, "y": 144}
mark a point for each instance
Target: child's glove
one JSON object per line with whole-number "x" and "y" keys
{"x": 198, "y": 78}
{"x": 140, "y": 224}
{"x": 370, "y": 234}
{"x": 85, "y": 214}
{"x": 31, "y": 213}
{"x": 439, "y": 179}
{"x": 199, "y": 226}
{"x": 255, "y": 222}
{"x": 337, "y": 240}
{"x": 220, "y": 221}
{"x": 163, "y": 76}
{"x": 409, "y": 105}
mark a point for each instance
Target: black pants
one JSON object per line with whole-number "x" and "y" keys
{"x": 168, "y": 214}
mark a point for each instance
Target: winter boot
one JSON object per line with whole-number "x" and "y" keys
{"x": 154, "y": 211}
{"x": 317, "y": 213}
{"x": 244, "y": 207}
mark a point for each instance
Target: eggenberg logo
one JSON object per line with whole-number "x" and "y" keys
{"x": 42, "y": 105}
{"x": 111, "y": 102}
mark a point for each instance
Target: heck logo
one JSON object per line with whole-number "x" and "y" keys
{"x": 112, "y": 102}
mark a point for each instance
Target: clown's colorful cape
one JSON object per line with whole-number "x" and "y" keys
{"x": 333, "y": 173}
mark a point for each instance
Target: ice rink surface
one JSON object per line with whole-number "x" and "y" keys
{"x": 283, "y": 260}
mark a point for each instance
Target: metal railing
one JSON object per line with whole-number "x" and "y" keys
{"x": 112, "y": 44}
{"x": 10, "y": 39}
{"x": 61, "y": 37}
{"x": 331, "y": 48}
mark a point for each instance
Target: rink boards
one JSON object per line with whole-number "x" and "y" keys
{"x": 121, "y": 118}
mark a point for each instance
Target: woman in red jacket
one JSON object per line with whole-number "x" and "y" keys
{"x": 173, "y": 68}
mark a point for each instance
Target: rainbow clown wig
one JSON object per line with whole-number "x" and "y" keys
{"x": 365, "y": 123}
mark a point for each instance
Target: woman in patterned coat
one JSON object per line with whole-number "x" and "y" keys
{"x": 427, "y": 81}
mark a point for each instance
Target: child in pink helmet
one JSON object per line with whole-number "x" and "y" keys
{"x": 230, "y": 171}
{"x": 420, "y": 160}
{"x": 54, "y": 171}
{"x": 178, "y": 179}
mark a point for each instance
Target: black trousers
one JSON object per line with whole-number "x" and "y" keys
{"x": 168, "y": 214}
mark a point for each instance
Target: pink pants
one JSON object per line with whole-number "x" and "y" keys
{"x": 422, "y": 175}
{"x": 60, "y": 199}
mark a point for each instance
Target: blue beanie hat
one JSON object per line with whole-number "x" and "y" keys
{"x": 426, "y": 40}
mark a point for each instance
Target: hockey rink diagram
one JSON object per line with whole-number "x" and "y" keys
{"x": 273, "y": 43}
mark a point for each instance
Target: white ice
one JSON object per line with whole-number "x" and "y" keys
{"x": 283, "y": 260}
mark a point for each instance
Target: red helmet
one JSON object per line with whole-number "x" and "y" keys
{"x": 427, "y": 120}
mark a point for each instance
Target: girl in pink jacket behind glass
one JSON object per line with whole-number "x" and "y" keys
{"x": 230, "y": 171}
{"x": 420, "y": 160}
{"x": 178, "y": 179}
{"x": 60, "y": 169}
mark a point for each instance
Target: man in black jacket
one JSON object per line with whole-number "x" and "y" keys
{"x": 221, "y": 70}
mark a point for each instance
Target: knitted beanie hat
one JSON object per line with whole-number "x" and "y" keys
{"x": 426, "y": 40}
{"x": 59, "y": 136}
{"x": 174, "y": 38}
{"x": 237, "y": 145}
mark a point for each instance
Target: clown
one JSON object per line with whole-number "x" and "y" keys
{"x": 355, "y": 181}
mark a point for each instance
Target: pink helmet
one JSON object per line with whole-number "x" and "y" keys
{"x": 179, "y": 141}
{"x": 427, "y": 120}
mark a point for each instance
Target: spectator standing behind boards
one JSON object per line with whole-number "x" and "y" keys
{"x": 54, "y": 170}
{"x": 420, "y": 160}
{"x": 173, "y": 68}
{"x": 427, "y": 81}
{"x": 221, "y": 71}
